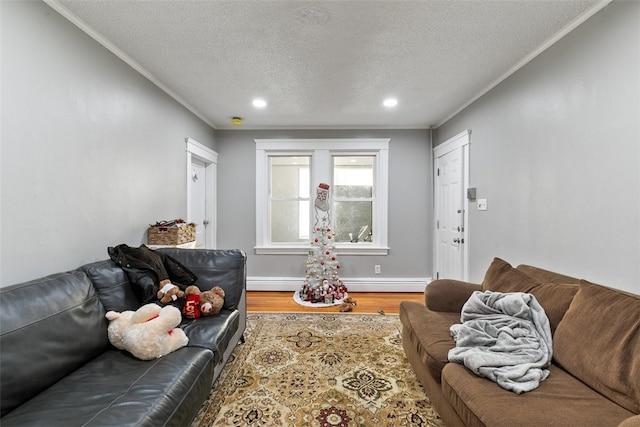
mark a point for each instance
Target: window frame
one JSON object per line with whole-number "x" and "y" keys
{"x": 321, "y": 168}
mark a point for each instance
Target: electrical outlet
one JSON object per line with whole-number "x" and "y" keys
{"x": 376, "y": 269}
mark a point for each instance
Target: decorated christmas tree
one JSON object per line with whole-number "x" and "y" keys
{"x": 322, "y": 283}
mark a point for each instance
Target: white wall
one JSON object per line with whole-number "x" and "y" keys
{"x": 91, "y": 151}
{"x": 556, "y": 151}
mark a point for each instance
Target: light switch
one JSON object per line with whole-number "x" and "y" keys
{"x": 482, "y": 204}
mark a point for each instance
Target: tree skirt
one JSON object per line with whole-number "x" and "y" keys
{"x": 296, "y": 298}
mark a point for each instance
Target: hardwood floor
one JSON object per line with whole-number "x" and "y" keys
{"x": 366, "y": 302}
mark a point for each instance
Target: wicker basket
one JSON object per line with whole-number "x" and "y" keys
{"x": 171, "y": 235}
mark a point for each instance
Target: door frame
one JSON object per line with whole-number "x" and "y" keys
{"x": 462, "y": 142}
{"x": 196, "y": 150}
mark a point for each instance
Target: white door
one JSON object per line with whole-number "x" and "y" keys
{"x": 198, "y": 209}
{"x": 202, "y": 164}
{"x": 451, "y": 182}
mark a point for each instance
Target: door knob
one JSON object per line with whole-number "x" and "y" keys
{"x": 456, "y": 240}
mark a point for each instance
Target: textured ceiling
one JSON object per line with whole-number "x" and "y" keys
{"x": 326, "y": 64}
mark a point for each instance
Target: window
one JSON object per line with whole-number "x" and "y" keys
{"x": 288, "y": 172}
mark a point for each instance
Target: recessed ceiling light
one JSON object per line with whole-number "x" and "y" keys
{"x": 390, "y": 102}
{"x": 259, "y": 103}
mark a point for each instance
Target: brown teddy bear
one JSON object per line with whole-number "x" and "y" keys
{"x": 347, "y": 304}
{"x": 211, "y": 302}
{"x": 168, "y": 292}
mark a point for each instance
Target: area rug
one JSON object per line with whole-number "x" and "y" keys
{"x": 318, "y": 369}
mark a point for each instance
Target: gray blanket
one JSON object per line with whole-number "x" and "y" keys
{"x": 505, "y": 337}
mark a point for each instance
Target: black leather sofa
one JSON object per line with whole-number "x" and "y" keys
{"x": 57, "y": 367}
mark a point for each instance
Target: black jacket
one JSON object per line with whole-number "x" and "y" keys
{"x": 147, "y": 268}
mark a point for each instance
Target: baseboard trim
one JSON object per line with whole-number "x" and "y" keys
{"x": 367, "y": 284}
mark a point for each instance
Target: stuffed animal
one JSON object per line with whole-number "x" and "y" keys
{"x": 211, "y": 302}
{"x": 117, "y": 324}
{"x": 169, "y": 292}
{"x": 347, "y": 304}
{"x": 191, "y": 309}
{"x": 148, "y": 333}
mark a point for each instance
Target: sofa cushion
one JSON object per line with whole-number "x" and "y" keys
{"x": 598, "y": 341}
{"x": 502, "y": 277}
{"x": 48, "y": 328}
{"x": 560, "y": 400}
{"x": 113, "y": 286}
{"x": 212, "y": 332}
{"x": 116, "y": 389}
{"x": 552, "y": 295}
{"x": 215, "y": 267}
{"x": 546, "y": 276}
{"x": 555, "y": 299}
{"x": 429, "y": 332}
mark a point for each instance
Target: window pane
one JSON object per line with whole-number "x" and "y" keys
{"x": 353, "y": 197}
{"x": 286, "y": 223}
{"x": 353, "y": 176}
{"x": 289, "y": 201}
{"x": 353, "y": 221}
{"x": 288, "y": 177}
{"x": 354, "y": 191}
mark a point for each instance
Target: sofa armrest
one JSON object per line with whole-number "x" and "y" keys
{"x": 447, "y": 295}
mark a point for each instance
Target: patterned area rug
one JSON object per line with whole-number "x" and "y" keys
{"x": 318, "y": 369}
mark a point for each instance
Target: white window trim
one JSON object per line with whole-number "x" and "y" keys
{"x": 322, "y": 149}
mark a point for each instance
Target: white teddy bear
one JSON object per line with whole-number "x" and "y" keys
{"x": 148, "y": 333}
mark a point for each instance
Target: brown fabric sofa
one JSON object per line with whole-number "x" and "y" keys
{"x": 595, "y": 374}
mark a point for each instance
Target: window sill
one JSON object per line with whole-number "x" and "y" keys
{"x": 340, "y": 250}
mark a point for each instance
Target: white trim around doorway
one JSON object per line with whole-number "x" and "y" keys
{"x": 196, "y": 150}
